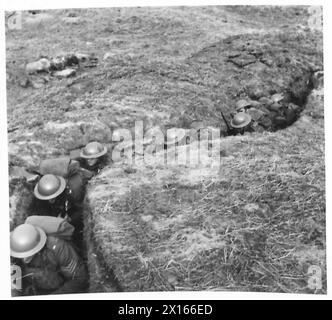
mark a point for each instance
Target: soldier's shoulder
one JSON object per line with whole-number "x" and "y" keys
{"x": 54, "y": 243}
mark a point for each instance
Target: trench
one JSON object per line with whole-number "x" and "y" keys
{"x": 293, "y": 97}
{"x": 101, "y": 277}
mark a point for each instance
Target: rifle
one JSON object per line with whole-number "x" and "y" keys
{"x": 230, "y": 130}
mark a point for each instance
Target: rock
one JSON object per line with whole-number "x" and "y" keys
{"x": 38, "y": 66}
{"x": 277, "y": 97}
{"x": 65, "y": 73}
{"x": 72, "y": 20}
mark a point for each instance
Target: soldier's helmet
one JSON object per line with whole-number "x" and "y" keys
{"x": 240, "y": 120}
{"x": 241, "y": 105}
{"x": 26, "y": 240}
{"x": 49, "y": 187}
{"x": 93, "y": 150}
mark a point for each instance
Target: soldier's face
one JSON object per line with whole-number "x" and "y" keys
{"x": 91, "y": 162}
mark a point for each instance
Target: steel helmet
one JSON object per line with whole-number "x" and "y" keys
{"x": 93, "y": 150}
{"x": 49, "y": 187}
{"x": 26, "y": 240}
{"x": 240, "y": 120}
{"x": 241, "y": 104}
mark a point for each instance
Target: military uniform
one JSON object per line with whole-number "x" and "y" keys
{"x": 66, "y": 203}
{"x": 56, "y": 269}
{"x": 67, "y": 195}
{"x": 90, "y": 171}
{"x": 93, "y": 151}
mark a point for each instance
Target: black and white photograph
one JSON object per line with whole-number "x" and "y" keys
{"x": 166, "y": 149}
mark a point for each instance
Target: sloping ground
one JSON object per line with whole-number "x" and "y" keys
{"x": 171, "y": 95}
{"x": 143, "y": 78}
{"x": 255, "y": 224}
{"x": 258, "y": 222}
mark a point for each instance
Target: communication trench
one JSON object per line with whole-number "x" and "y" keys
{"x": 102, "y": 277}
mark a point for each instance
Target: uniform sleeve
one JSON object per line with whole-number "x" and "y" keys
{"x": 71, "y": 267}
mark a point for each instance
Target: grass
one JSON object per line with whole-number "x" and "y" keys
{"x": 255, "y": 224}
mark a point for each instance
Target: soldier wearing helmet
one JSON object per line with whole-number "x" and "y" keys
{"x": 282, "y": 113}
{"x": 93, "y": 157}
{"x": 58, "y": 197}
{"x": 242, "y": 105}
{"x": 242, "y": 122}
{"x": 49, "y": 264}
{"x": 54, "y": 195}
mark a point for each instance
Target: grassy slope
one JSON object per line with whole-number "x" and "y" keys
{"x": 257, "y": 224}
{"x": 159, "y": 68}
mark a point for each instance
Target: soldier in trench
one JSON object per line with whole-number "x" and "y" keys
{"x": 272, "y": 115}
{"x": 60, "y": 197}
{"x": 260, "y": 121}
{"x": 242, "y": 122}
{"x": 49, "y": 264}
{"x": 92, "y": 158}
{"x": 283, "y": 113}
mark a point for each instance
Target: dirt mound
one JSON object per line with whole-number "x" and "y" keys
{"x": 20, "y": 198}
{"x": 257, "y": 66}
{"x": 237, "y": 227}
{"x": 241, "y": 225}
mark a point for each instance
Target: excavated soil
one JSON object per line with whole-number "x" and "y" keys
{"x": 253, "y": 221}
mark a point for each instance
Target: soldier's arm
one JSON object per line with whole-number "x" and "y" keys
{"x": 71, "y": 268}
{"x": 86, "y": 174}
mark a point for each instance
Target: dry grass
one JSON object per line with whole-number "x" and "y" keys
{"x": 255, "y": 226}
{"x": 258, "y": 222}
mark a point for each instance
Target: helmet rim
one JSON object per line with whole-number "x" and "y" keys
{"x": 95, "y": 155}
{"x": 40, "y": 245}
{"x": 244, "y": 123}
{"x": 61, "y": 188}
